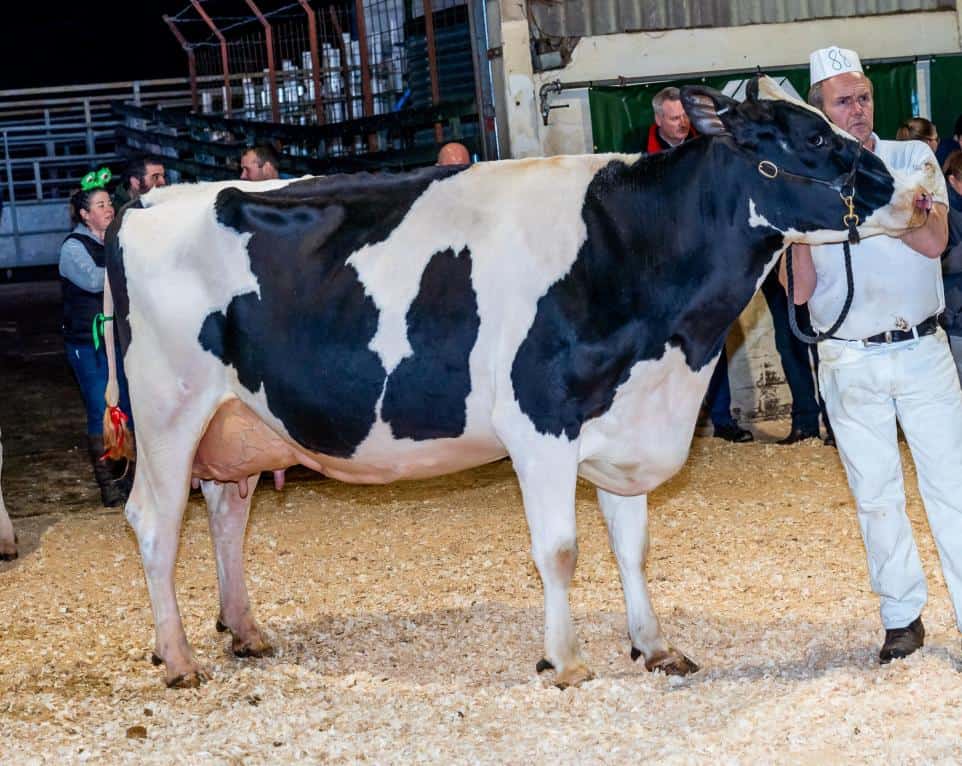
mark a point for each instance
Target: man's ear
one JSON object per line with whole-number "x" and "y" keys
{"x": 134, "y": 183}
{"x": 710, "y": 111}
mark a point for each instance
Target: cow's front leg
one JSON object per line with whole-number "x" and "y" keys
{"x": 627, "y": 520}
{"x": 228, "y": 513}
{"x": 548, "y": 477}
{"x": 154, "y": 510}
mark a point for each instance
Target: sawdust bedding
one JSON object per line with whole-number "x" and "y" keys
{"x": 408, "y": 620}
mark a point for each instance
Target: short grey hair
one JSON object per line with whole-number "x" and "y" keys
{"x": 671, "y": 93}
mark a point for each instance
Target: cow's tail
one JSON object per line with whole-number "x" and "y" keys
{"x": 118, "y": 440}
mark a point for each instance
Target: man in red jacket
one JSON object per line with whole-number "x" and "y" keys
{"x": 672, "y": 126}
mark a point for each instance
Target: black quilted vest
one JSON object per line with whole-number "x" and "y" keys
{"x": 79, "y": 306}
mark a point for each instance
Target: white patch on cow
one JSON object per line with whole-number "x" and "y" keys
{"x": 644, "y": 438}
{"x": 537, "y": 232}
{"x": 756, "y": 219}
{"x": 204, "y": 189}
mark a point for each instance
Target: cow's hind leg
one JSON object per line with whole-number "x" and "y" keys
{"x": 228, "y": 513}
{"x": 154, "y": 510}
{"x": 8, "y": 542}
{"x": 627, "y": 520}
{"x": 548, "y": 480}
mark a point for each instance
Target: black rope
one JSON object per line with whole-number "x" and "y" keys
{"x": 849, "y": 294}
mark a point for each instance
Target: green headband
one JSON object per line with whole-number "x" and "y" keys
{"x": 96, "y": 179}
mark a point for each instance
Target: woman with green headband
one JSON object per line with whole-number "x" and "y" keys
{"x": 82, "y": 280}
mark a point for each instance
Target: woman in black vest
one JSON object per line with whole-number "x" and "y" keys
{"x": 82, "y": 279}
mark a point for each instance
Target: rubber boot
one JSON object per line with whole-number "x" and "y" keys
{"x": 113, "y": 491}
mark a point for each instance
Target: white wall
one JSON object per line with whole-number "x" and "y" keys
{"x": 758, "y": 388}
{"x": 680, "y": 52}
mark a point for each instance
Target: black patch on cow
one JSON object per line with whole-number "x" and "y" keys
{"x": 426, "y": 394}
{"x": 670, "y": 258}
{"x": 117, "y": 275}
{"x": 305, "y": 337}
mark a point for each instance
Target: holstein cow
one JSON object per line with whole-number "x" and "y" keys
{"x": 566, "y": 312}
{"x": 8, "y": 542}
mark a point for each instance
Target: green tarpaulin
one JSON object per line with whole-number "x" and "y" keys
{"x": 946, "y": 85}
{"x": 620, "y": 116}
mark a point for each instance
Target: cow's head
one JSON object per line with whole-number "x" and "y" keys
{"x": 803, "y": 166}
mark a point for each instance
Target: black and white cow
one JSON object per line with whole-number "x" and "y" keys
{"x": 8, "y": 542}
{"x": 565, "y": 312}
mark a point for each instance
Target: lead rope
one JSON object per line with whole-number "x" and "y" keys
{"x": 850, "y": 219}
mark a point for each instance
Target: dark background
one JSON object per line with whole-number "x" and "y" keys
{"x": 48, "y": 43}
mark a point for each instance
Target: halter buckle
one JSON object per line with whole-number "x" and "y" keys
{"x": 768, "y": 169}
{"x": 851, "y": 218}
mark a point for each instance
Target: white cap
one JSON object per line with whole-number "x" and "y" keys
{"x": 829, "y": 62}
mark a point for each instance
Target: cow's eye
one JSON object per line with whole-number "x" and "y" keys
{"x": 817, "y": 140}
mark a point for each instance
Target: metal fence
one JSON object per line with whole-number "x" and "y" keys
{"x": 318, "y": 62}
{"x": 374, "y": 83}
{"x": 51, "y": 137}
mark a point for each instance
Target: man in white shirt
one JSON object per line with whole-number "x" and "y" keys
{"x": 888, "y": 362}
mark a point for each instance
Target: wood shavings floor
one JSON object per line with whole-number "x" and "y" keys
{"x": 408, "y": 620}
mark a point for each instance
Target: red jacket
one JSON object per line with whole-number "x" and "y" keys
{"x": 655, "y": 142}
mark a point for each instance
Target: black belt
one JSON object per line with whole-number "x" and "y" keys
{"x": 925, "y": 327}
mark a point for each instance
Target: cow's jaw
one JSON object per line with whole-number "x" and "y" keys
{"x": 901, "y": 214}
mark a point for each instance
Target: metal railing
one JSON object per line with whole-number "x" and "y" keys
{"x": 50, "y": 138}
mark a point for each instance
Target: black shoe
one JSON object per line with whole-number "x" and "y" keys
{"x": 798, "y": 435}
{"x": 901, "y": 642}
{"x": 113, "y": 489}
{"x": 733, "y": 433}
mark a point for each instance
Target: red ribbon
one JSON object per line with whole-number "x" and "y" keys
{"x": 118, "y": 419}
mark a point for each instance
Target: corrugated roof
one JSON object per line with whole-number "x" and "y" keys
{"x": 570, "y": 18}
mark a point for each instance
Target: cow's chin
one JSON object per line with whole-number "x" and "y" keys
{"x": 901, "y": 214}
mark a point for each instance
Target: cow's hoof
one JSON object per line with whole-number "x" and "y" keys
{"x": 220, "y": 627}
{"x": 258, "y": 648}
{"x": 672, "y": 663}
{"x": 573, "y": 676}
{"x": 8, "y": 550}
{"x": 543, "y": 665}
{"x": 192, "y": 679}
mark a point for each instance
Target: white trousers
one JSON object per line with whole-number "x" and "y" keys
{"x": 955, "y": 343}
{"x": 866, "y": 389}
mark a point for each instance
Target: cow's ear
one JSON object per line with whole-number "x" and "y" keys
{"x": 710, "y": 111}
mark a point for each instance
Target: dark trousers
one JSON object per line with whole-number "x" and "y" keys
{"x": 794, "y": 354}
{"x": 90, "y": 369}
{"x": 718, "y": 398}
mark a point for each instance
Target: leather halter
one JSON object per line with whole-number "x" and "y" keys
{"x": 845, "y": 186}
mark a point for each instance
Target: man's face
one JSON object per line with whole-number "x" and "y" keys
{"x": 847, "y": 101}
{"x": 153, "y": 177}
{"x": 673, "y": 122}
{"x": 252, "y": 169}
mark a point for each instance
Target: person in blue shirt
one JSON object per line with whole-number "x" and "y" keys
{"x": 81, "y": 270}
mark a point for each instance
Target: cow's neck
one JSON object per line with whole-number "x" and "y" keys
{"x": 676, "y": 245}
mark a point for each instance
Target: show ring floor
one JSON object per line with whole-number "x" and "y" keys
{"x": 407, "y": 621}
